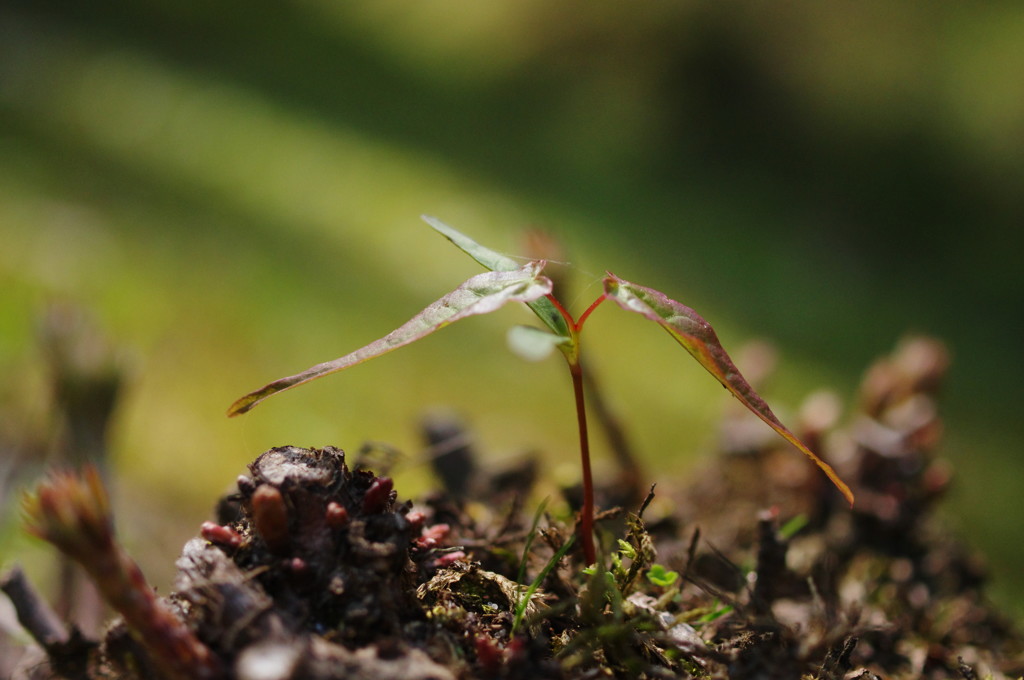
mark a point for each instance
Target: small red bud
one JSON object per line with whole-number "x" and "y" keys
{"x": 416, "y": 519}
{"x": 218, "y": 535}
{"x": 378, "y": 495}
{"x": 450, "y": 558}
{"x": 337, "y": 515}
{"x": 438, "y": 531}
{"x": 270, "y": 517}
{"x": 433, "y": 535}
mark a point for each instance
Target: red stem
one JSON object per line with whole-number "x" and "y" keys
{"x": 576, "y": 371}
{"x": 587, "y": 511}
{"x": 585, "y": 314}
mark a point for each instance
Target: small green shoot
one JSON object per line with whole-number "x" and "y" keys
{"x": 509, "y": 282}
{"x": 529, "y": 540}
{"x": 716, "y": 612}
{"x": 525, "y": 600}
{"x": 704, "y": 615}
{"x": 662, "y": 577}
{"x": 793, "y": 526}
{"x": 625, "y": 550}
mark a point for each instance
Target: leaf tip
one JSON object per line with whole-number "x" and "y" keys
{"x": 243, "y": 405}
{"x": 611, "y": 282}
{"x": 433, "y": 222}
{"x": 833, "y": 477}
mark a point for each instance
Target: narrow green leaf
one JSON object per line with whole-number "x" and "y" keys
{"x": 529, "y": 539}
{"x": 699, "y": 339}
{"x": 525, "y": 601}
{"x": 793, "y": 526}
{"x": 495, "y": 261}
{"x": 481, "y": 294}
{"x": 490, "y": 259}
{"x": 715, "y": 613}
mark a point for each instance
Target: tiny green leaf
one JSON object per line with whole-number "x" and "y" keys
{"x": 661, "y": 577}
{"x": 626, "y": 549}
{"x": 699, "y": 339}
{"x": 480, "y": 294}
{"x": 495, "y": 261}
{"x": 532, "y": 344}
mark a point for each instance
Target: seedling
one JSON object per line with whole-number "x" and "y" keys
{"x": 662, "y": 577}
{"x": 509, "y": 281}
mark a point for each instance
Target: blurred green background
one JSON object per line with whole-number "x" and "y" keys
{"x": 233, "y": 190}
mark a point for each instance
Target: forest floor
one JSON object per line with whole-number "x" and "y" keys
{"x": 316, "y": 569}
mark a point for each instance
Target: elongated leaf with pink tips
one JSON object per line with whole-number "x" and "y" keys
{"x": 481, "y": 294}
{"x": 699, "y": 339}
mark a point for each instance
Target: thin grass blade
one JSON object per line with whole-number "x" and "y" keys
{"x": 480, "y": 294}
{"x": 529, "y": 539}
{"x": 525, "y": 601}
{"x": 699, "y": 339}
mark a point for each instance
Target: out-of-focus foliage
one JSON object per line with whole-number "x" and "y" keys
{"x": 233, "y": 189}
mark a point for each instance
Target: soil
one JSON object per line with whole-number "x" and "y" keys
{"x": 316, "y": 569}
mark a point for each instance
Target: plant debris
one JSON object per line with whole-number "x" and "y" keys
{"x": 758, "y": 570}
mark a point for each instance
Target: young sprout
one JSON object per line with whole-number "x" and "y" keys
{"x": 662, "y": 577}
{"x": 509, "y": 281}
